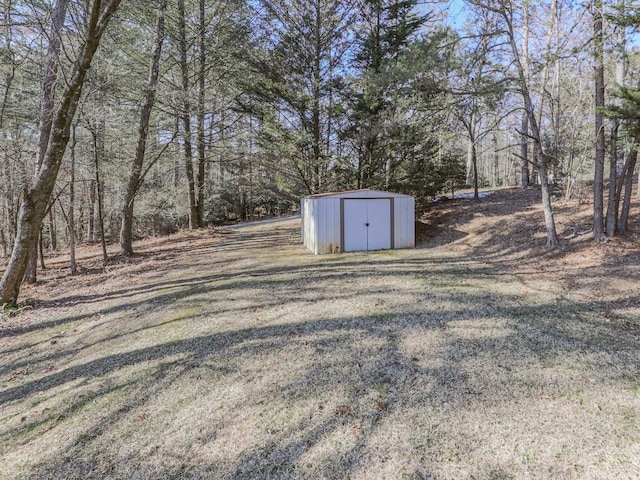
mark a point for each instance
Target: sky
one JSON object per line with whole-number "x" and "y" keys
{"x": 453, "y": 9}
{"x": 455, "y": 13}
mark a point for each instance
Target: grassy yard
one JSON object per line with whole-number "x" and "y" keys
{"x": 241, "y": 356}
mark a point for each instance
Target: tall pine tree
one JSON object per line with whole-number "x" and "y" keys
{"x": 387, "y": 30}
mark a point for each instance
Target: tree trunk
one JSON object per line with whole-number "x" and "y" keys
{"x": 627, "y": 182}
{"x": 541, "y": 165}
{"x": 3, "y": 242}
{"x": 202, "y": 61}
{"x": 135, "y": 172}
{"x": 315, "y": 113}
{"x": 556, "y": 104}
{"x": 495, "y": 177}
{"x": 598, "y": 176}
{"x": 41, "y": 249}
{"x": 53, "y": 238}
{"x": 72, "y": 200}
{"x": 176, "y": 156}
{"x": 185, "y": 117}
{"x": 545, "y": 67}
{"x": 36, "y": 198}
{"x": 524, "y": 127}
{"x": 612, "y": 205}
{"x": 47, "y": 106}
{"x": 615, "y": 185}
{"x": 7, "y": 172}
{"x": 51, "y": 76}
{"x": 98, "y": 156}
{"x": 25, "y": 241}
{"x": 11, "y": 73}
{"x": 91, "y": 217}
{"x": 552, "y": 236}
{"x": 31, "y": 275}
{"x": 9, "y": 203}
{"x": 470, "y": 149}
{"x": 474, "y": 163}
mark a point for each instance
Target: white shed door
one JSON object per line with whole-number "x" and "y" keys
{"x": 367, "y": 224}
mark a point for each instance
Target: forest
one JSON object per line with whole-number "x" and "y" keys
{"x": 121, "y": 120}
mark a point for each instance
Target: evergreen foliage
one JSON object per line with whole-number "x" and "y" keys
{"x": 258, "y": 103}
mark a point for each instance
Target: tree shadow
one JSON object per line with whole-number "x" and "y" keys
{"x": 373, "y": 383}
{"x": 321, "y": 397}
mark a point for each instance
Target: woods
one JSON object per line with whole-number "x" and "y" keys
{"x": 142, "y": 118}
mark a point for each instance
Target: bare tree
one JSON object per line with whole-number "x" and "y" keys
{"x": 185, "y": 116}
{"x": 524, "y": 126}
{"x": 135, "y": 172}
{"x": 71, "y": 225}
{"x": 47, "y": 104}
{"x": 200, "y": 135}
{"x": 598, "y": 175}
{"x": 36, "y": 199}
{"x": 615, "y": 184}
{"x": 505, "y": 10}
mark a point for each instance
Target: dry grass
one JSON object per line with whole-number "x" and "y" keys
{"x": 239, "y": 355}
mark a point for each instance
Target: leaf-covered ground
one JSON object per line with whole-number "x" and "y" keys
{"x": 239, "y": 355}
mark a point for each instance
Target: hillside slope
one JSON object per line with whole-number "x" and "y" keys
{"x": 240, "y": 355}
{"x": 507, "y": 228}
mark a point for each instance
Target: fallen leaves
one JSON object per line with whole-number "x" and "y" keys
{"x": 17, "y": 374}
{"x": 343, "y": 410}
{"x": 54, "y": 423}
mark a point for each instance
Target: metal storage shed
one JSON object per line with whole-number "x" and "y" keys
{"x": 357, "y": 220}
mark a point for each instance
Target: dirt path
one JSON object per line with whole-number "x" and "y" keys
{"x": 240, "y": 355}
{"x": 259, "y": 223}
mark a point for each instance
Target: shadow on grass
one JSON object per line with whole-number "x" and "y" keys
{"x": 509, "y": 230}
{"x": 536, "y": 334}
{"x": 302, "y": 282}
{"x": 305, "y": 277}
{"x": 351, "y": 377}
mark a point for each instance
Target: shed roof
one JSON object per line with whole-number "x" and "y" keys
{"x": 362, "y": 193}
